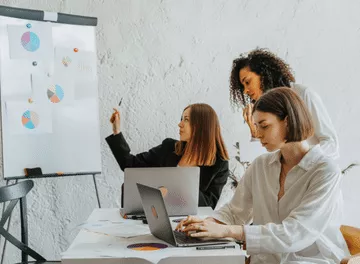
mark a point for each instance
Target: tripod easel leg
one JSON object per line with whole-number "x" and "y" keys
{"x": 96, "y": 191}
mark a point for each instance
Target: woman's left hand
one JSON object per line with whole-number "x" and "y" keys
{"x": 248, "y": 117}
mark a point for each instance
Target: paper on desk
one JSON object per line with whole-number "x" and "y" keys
{"x": 123, "y": 229}
{"x": 117, "y": 249}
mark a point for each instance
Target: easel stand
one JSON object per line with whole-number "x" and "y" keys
{"x": 52, "y": 175}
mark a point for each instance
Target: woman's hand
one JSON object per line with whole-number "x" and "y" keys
{"x": 247, "y": 114}
{"x": 115, "y": 121}
{"x": 203, "y": 228}
{"x": 188, "y": 220}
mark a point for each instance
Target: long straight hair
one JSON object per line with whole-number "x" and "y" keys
{"x": 205, "y": 141}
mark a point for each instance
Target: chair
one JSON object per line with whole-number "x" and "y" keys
{"x": 13, "y": 194}
{"x": 122, "y": 196}
{"x": 352, "y": 238}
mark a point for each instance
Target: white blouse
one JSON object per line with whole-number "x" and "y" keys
{"x": 325, "y": 133}
{"x": 304, "y": 226}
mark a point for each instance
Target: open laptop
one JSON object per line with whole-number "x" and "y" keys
{"x": 180, "y": 186}
{"x": 159, "y": 222}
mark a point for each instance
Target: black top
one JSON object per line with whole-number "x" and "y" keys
{"x": 212, "y": 178}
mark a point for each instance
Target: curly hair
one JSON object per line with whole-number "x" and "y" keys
{"x": 273, "y": 71}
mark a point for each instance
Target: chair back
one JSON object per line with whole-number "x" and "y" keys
{"x": 13, "y": 194}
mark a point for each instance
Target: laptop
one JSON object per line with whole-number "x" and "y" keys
{"x": 180, "y": 186}
{"x": 159, "y": 222}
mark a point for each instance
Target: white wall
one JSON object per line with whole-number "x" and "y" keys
{"x": 161, "y": 55}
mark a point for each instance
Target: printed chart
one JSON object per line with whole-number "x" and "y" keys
{"x": 30, "y": 119}
{"x": 55, "y": 93}
{"x": 30, "y": 41}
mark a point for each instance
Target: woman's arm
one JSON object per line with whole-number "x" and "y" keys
{"x": 324, "y": 129}
{"x": 121, "y": 151}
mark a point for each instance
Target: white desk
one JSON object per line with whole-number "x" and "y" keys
{"x": 90, "y": 247}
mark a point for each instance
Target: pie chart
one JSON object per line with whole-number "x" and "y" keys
{"x": 147, "y": 246}
{"x": 66, "y": 61}
{"x": 30, "y": 119}
{"x": 30, "y": 41}
{"x": 55, "y": 93}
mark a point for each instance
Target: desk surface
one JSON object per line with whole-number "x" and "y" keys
{"x": 92, "y": 247}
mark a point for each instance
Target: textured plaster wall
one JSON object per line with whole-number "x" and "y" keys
{"x": 161, "y": 55}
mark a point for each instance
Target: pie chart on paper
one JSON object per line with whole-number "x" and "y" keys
{"x": 30, "y": 41}
{"x": 30, "y": 119}
{"x": 55, "y": 93}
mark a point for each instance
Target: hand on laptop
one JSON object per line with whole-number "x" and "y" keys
{"x": 203, "y": 227}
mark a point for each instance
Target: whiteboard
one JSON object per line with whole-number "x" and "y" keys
{"x": 60, "y": 135}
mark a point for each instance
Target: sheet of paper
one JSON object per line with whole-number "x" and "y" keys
{"x": 85, "y": 90}
{"x": 53, "y": 90}
{"x": 111, "y": 247}
{"x": 25, "y": 118}
{"x": 100, "y": 249}
{"x": 16, "y": 87}
{"x": 117, "y": 248}
{"x": 77, "y": 63}
{"x": 16, "y": 77}
{"x": 97, "y": 224}
{"x": 124, "y": 229}
{"x": 31, "y": 41}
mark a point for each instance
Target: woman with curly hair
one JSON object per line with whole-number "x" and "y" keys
{"x": 260, "y": 70}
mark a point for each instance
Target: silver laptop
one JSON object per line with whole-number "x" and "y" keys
{"x": 180, "y": 187}
{"x": 159, "y": 222}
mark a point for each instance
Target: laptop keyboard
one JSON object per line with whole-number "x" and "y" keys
{"x": 182, "y": 238}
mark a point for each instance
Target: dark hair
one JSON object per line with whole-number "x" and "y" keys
{"x": 273, "y": 72}
{"x": 206, "y": 140}
{"x": 284, "y": 102}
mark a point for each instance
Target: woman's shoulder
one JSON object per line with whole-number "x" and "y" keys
{"x": 169, "y": 143}
{"x": 220, "y": 162}
{"x": 325, "y": 164}
{"x": 266, "y": 159}
{"x": 300, "y": 89}
{"x": 304, "y": 92}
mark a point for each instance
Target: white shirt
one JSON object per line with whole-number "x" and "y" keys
{"x": 325, "y": 133}
{"x": 304, "y": 226}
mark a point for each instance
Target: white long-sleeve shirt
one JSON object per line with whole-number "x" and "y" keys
{"x": 304, "y": 226}
{"x": 325, "y": 133}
